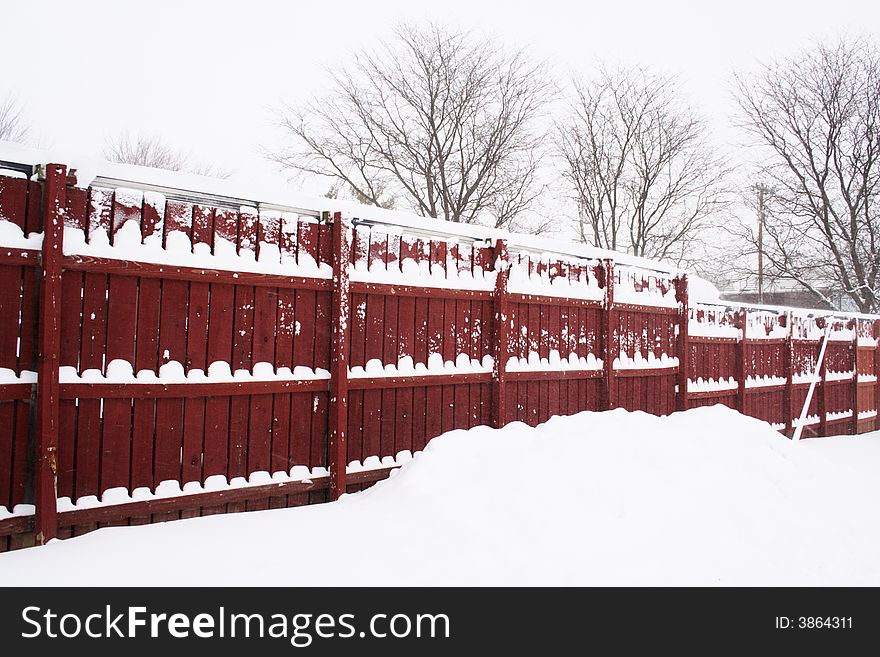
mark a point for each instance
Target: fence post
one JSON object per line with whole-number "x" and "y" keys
{"x": 609, "y": 323}
{"x": 742, "y": 320}
{"x": 877, "y": 374}
{"x": 49, "y": 337}
{"x": 823, "y": 390}
{"x": 855, "y": 379}
{"x": 683, "y": 346}
{"x": 788, "y": 365}
{"x": 340, "y": 313}
{"x": 501, "y": 326}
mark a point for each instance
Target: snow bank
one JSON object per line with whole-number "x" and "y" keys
{"x": 703, "y": 497}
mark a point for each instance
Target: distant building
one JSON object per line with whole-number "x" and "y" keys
{"x": 795, "y": 298}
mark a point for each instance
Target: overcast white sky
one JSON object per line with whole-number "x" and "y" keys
{"x": 204, "y": 74}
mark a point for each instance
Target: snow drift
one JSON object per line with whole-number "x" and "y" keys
{"x": 703, "y": 497}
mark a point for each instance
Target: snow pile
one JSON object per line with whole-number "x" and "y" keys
{"x": 455, "y": 273}
{"x": 701, "y": 290}
{"x": 701, "y": 498}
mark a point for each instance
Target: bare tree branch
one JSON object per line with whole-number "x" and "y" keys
{"x": 150, "y": 151}
{"x": 13, "y": 126}
{"x": 635, "y": 158}
{"x": 436, "y": 120}
{"x": 817, "y": 116}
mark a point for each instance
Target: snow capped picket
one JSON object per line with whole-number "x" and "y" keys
{"x": 705, "y": 320}
{"x": 554, "y": 363}
{"x": 551, "y": 279}
{"x": 127, "y": 242}
{"x": 639, "y": 362}
{"x": 712, "y": 385}
{"x": 765, "y": 325}
{"x": 644, "y": 288}
{"x": 766, "y": 380}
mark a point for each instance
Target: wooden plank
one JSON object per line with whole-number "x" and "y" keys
{"x": 311, "y": 428}
{"x": 198, "y": 309}
{"x": 242, "y": 354}
{"x": 301, "y": 403}
{"x": 394, "y": 290}
{"x": 174, "y": 273}
{"x": 876, "y": 333}
{"x": 76, "y": 217}
{"x": 854, "y": 391}
{"x": 173, "y": 314}
{"x": 91, "y": 356}
{"x": 13, "y": 205}
{"x": 403, "y": 430}
{"x": 265, "y": 306}
{"x": 221, "y": 312}
{"x": 146, "y": 357}
{"x": 389, "y": 355}
{"x": 284, "y": 320}
{"x": 122, "y": 303}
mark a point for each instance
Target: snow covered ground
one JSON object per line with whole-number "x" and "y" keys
{"x": 700, "y": 498}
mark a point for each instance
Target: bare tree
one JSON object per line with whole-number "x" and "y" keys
{"x": 436, "y": 120}
{"x": 150, "y": 151}
{"x": 816, "y": 117}
{"x": 636, "y": 160}
{"x": 13, "y": 126}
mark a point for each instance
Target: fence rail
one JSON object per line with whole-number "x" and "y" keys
{"x": 162, "y": 358}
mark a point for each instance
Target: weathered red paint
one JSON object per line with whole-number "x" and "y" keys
{"x": 189, "y": 431}
{"x": 48, "y": 402}
{"x": 340, "y": 314}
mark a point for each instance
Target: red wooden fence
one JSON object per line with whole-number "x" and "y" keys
{"x": 164, "y": 358}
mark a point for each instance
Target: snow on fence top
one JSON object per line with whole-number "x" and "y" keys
{"x": 232, "y": 194}
{"x": 635, "y": 286}
{"x": 539, "y": 265}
